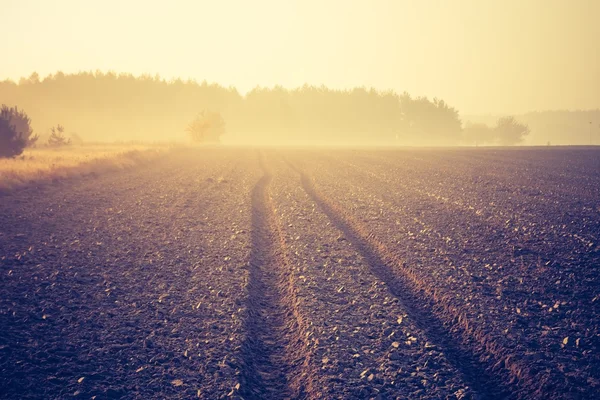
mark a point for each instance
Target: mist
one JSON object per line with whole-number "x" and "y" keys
{"x": 384, "y": 72}
{"x": 300, "y": 199}
{"x": 108, "y": 107}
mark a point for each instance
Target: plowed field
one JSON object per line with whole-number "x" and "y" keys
{"x": 271, "y": 274}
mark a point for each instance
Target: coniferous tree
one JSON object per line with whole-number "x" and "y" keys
{"x": 57, "y": 137}
{"x": 15, "y": 131}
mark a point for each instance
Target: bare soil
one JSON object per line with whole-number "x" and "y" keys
{"x": 271, "y": 274}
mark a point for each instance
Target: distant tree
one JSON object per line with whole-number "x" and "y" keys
{"x": 15, "y": 132}
{"x": 448, "y": 122}
{"x": 207, "y": 127}
{"x": 57, "y": 137}
{"x": 11, "y": 144}
{"x": 478, "y": 134}
{"x": 509, "y": 131}
{"x": 429, "y": 122}
{"x": 34, "y": 78}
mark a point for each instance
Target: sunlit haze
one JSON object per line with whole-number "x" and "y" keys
{"x": 300, "y": 199}
{"x": 480, "y": 56}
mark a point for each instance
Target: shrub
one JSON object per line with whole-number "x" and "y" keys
{"x": 510, "y": 132}
{"x": 57, "y": 137}
{"x": 207, "y": 127}
{"x": 15, "y": 132}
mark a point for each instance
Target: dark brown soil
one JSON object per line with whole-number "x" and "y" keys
{"x": 232, "y": 273}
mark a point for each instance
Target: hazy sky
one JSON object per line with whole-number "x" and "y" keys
{"x": 482, "y": 56}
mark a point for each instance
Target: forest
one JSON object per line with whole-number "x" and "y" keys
{"x": 106, "y": 106}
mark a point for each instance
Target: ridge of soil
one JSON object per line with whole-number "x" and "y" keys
{"x": 382, "y": 264}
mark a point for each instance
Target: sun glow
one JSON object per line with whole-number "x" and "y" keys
{"x": 481, "y": 57}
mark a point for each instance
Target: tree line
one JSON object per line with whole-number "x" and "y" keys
{"x": 99, "y": 106}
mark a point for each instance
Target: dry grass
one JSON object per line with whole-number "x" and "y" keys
{"x": 51, "y": 164}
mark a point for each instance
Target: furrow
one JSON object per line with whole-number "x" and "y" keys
{"x": 433, "y": 313}
{"x": 275, "y": 353}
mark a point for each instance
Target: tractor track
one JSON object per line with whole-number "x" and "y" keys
{"x": 276, "y": 358}
{"x": 408, "y": 289}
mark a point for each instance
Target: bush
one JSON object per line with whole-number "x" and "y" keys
{"x": 207, "y": 127}
{"x": 510, "y": 132}
{"x": 57, "y": 137}
{"x": 15, "y": 132}
{"x": 507, "y": 132}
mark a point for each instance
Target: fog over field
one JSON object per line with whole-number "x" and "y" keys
{"x": 303, "y": 199}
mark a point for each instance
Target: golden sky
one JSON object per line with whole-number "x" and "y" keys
{"x": 481, "y": 56}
